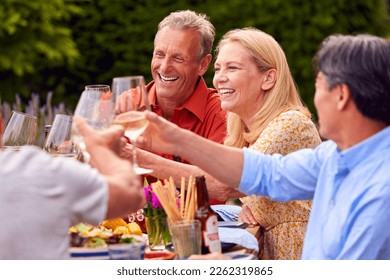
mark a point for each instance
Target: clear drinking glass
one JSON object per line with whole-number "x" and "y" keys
{"x": 58, "y": 141}
{"x": 20, "y": 130}
{"x": 186, "y": 238}
{"x": 96, "y": 105}
{"x": 131, "y": 99}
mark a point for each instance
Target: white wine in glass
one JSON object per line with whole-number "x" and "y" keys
{"x": 131, "y": 99}
{"x": 133, "y": 122}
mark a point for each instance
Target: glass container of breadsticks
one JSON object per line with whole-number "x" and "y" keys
{"x": 180, "y": 208}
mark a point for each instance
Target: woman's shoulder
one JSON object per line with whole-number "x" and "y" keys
{"x": 290, "y": 122}
{"x": 293, "y": 116}
{"x": 290, "y": 131}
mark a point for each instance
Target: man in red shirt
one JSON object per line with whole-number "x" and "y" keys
{"x": 200, "y": 113}
{"x": 178, "y": 92}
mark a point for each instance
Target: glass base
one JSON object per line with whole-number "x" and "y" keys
{"x": 140, "y": 171}
{"x": 160, "y": 247}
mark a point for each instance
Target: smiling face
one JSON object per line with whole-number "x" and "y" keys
{"x": 238, "y": 80}
{"x": 175, "y": 64}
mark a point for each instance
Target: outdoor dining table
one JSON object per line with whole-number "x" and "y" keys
{"x": 168, "y": 253}
{"x": 236, "y": 249}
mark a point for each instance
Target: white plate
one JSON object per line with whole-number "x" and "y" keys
{"x": 232, "y": 224}
{"x": 236, "y": 256}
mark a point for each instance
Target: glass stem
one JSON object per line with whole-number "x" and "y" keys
{"x": 86, "y": 157}
{"x": 133, "y": 142}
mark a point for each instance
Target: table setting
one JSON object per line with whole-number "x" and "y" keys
{"x": 178, "y": 238}
{"x": 168, "y": 227}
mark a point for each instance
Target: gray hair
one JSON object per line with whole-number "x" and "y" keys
{"x": 362, "y": 62}
{"x": 182, "y": 20}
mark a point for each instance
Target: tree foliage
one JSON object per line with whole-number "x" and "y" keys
{"x": 34, "y": 35}
{"x": 62, "y": 45}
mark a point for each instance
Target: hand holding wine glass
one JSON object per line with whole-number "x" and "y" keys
{"x": 131, "y": 99}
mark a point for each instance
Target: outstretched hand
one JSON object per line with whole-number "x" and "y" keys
{"x": 160, "y": 136}
{"x": 109, "y": 138}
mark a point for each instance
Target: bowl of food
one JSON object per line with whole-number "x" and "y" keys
{"x": 89, "y": 253}
{"x": 130, "y": 247}
{"x": 92, "y": 242}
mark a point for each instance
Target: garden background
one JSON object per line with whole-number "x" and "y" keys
{"x": 50, "y": 49}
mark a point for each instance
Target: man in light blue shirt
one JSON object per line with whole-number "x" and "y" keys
{"x": 350, "y": 190}
{"x": 348, "y": 177}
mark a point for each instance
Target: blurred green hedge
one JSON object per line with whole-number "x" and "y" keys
{"x": 62, "y": 45}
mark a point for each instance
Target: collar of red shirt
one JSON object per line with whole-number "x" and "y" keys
{"x": 195, "y": 103}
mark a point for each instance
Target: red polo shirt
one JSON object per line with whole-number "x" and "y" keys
{"x": 201, "y": 113}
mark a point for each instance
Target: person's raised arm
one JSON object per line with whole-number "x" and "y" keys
{"x": 125, "y": 189}
{"x": 165, "y": 168}
{"x": 222, "y": 162}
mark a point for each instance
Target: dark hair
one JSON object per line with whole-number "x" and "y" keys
{"x": 362, "y": 62}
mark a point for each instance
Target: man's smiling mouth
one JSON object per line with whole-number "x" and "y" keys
{"x": 167, "y": 78}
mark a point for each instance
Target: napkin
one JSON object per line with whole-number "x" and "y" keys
{"x": 234, "y": 235}
{"x": 227, "y": 212}
{"x": 238, "y": 236}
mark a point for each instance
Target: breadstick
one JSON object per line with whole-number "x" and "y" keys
{"x": 182, "y": 187}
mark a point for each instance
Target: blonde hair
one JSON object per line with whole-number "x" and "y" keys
{"x": 283, "y": 96}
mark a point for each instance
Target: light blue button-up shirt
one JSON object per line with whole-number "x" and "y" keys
{"x": 350, "y": 216}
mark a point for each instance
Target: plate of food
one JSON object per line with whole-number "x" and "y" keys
{"x": 91, "y": 242}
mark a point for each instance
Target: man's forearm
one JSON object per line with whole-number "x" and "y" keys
{"x": 222, "y": 162}
{"x": 125, "y": 188}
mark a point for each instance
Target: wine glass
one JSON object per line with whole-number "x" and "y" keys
{"x": 20, "y": 130}
{"x": 130, "y": 100}
{"x": 96, "y": 106}
{"x": 58, "y": 141}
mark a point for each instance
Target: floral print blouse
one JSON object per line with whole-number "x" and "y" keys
{"x": 283, "y": 223}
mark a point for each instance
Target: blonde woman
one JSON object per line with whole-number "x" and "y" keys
{"x": 266, "y": 114}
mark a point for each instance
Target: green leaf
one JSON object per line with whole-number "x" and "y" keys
{"x": 95, "y": 242}
{"x": 126, "y": 239}
{"x": 146, "y": 183}
{"x": 80, "y": 227}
